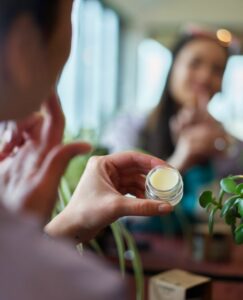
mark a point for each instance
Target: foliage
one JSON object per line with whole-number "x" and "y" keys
{"x": 229, "y": 203}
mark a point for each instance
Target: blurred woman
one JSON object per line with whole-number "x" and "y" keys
{"x": 180, "y": 129}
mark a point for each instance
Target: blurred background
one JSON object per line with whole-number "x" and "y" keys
{"x": 121, "y": 56}
{"x": 120, "y": 59}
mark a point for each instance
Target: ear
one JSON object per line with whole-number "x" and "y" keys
{"x": 23, "y": 52}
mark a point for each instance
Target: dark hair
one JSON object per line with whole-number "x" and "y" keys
{"x": 43, "y": 13}
{"x": 156, "y": 137}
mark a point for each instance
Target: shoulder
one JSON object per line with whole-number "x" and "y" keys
{"x": 41, "y": 268}
{"x": 123, "y": 132}
{"x": 131, "y": 119}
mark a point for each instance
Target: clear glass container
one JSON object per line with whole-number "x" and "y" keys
{"x": 164, "y": 183}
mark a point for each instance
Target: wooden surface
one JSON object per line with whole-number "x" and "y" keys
{"x": 160, "y": 254}
{"x": 221, "y": 290}
{"x": 168, "y": 253}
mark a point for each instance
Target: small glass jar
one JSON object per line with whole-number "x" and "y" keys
{"x": 164, "y": 183}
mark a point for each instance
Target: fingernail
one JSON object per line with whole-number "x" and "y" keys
{"x": 165, "y": 208}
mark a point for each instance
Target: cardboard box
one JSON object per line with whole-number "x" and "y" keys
{"x": 179, "y": 285}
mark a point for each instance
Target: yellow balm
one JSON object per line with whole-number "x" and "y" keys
{"x": 164, "y": 183}
{"x": 164, "y": 178}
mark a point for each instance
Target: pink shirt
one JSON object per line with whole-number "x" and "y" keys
{"x": 33, "y": 267}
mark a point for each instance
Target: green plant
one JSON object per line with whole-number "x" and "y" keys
{"x": 229, "y": 203}
{"x": 123, "y": 239}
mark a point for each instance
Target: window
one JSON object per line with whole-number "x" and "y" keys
{"x": 154, "y": 61}
{"x": 227, "y": 106}
{"x": 88, "y": 85}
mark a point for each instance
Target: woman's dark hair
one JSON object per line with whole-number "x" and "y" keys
{"x": 43, "y": 13}
{"x": 156, "y": 137}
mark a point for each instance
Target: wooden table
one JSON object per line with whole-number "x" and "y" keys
{"x": 169, "y": 253}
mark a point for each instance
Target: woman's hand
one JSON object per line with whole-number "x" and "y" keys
{"x": 100, "y": 198}
{"x": 189, "y": 117}
{"x": 197, "y": 135}
{"x": 33, "y": 159}
{"x": 196, "y": 144}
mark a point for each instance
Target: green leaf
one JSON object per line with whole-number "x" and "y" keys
{"x": 95, "y": 245}
{"x": 205, "y": 198}
{"x": 230, "y": 218}
{"x": 137, "y": 264}
{"x": 240, "y": 207}
{"x": 60, "y": 205}
{"x": 208, "y": 207}
{"x": 65, "y": 191}
{"x": 221, "y": 197}
{"x": 239, "y": 189}
{"x": 227, "y": 205}
{"x": 116, "y": 230}
{"x": 211, "y": 219}
{"x": 239, "y": 234}
{"x": 77, "y": 166}
{"x": 75, "y": 170}
{"x": 228, "y": 185}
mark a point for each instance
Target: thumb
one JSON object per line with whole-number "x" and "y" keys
{"x": 49, "y": 175}
{"x": 145, "y": 207}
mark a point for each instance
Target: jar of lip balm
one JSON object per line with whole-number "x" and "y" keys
{"x": 164, "y": 183}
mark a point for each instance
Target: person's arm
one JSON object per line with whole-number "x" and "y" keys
{"x": 100, "y": 198}
{"x": 30, "y": 173}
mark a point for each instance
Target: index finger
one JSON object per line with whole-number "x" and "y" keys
{"x": 202, "y": 106}
{"x": 135, "y": 160}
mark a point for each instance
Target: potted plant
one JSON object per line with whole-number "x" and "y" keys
{"x": 229, "y": 204}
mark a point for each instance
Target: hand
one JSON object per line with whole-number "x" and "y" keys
{"x": 33, "y": 160}
{"x": 197, "y": 144}
{"x": 190, "y": 116}
{"x": 100, "y": 198}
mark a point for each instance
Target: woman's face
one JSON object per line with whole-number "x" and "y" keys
{"x": 197, "y": 72}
